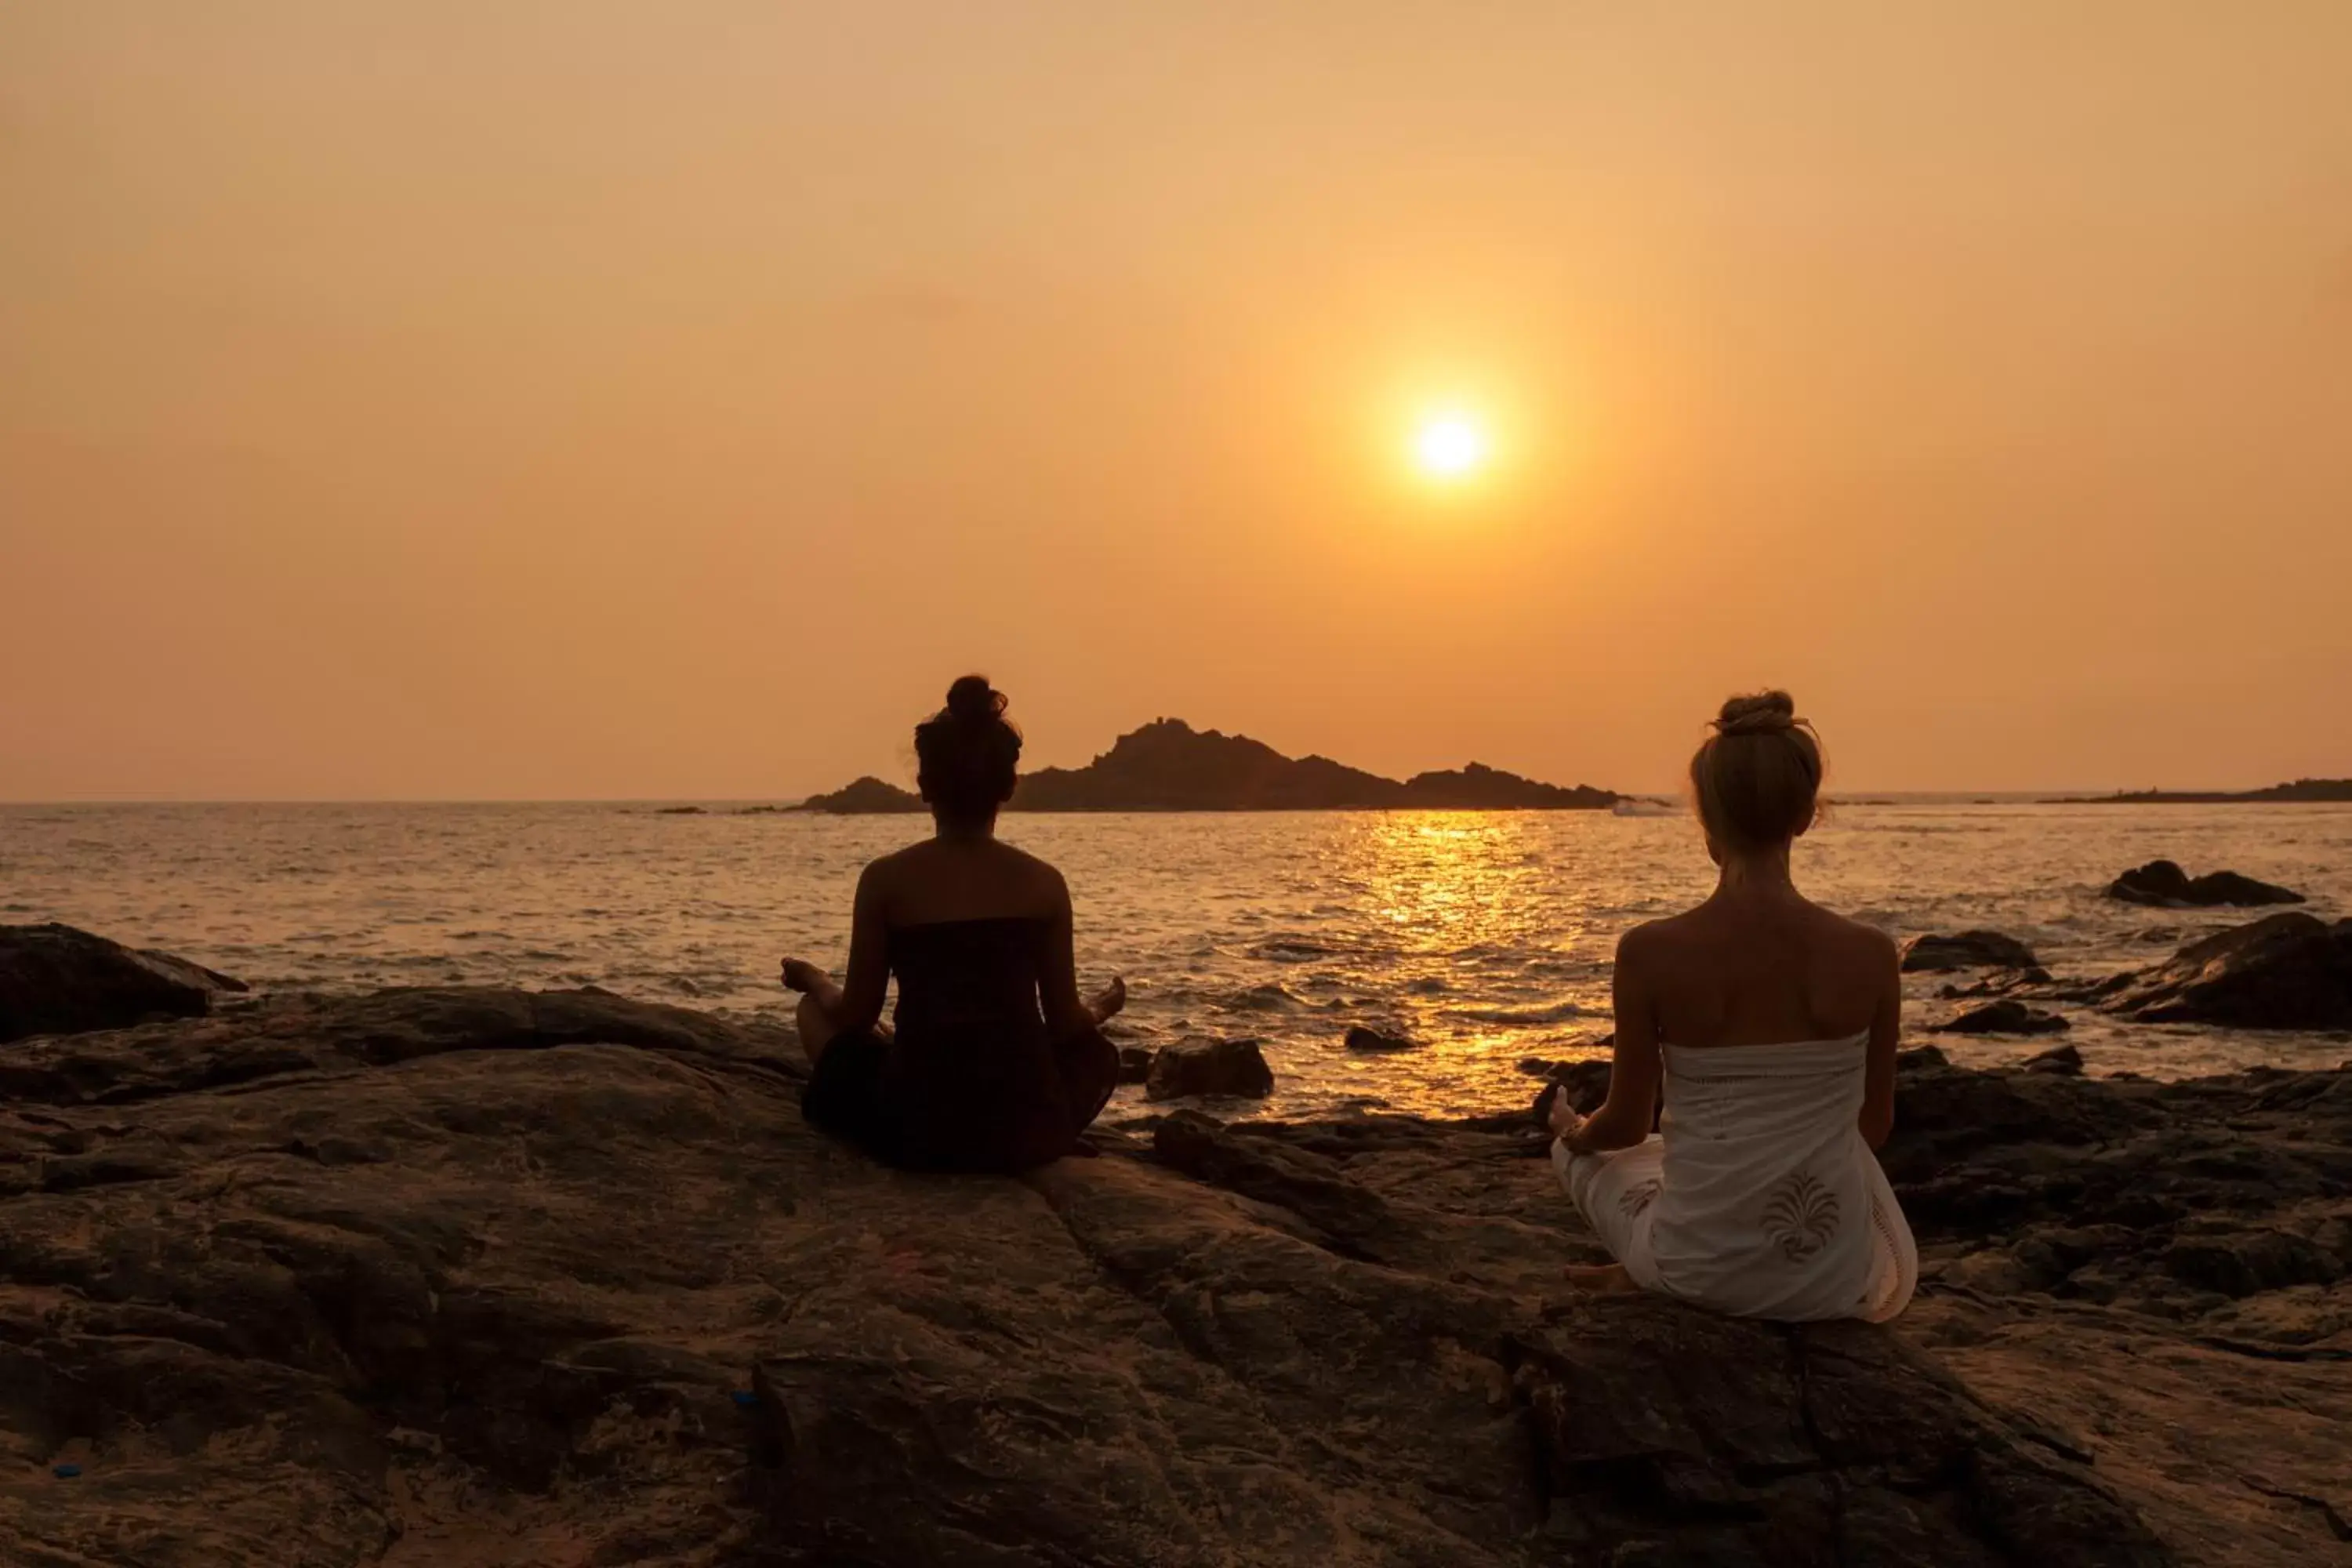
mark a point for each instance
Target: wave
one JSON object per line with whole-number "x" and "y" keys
{"x": 1523, "y": 1018}
{"x": 1304, "y": 949}
{"x": 1267, "y": 998}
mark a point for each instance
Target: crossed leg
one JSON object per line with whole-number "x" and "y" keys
{"x": 1595, "y": 1278}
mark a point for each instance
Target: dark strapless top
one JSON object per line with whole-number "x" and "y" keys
{"x": 962, "y": 978}
{"x": 970, "y": 1079}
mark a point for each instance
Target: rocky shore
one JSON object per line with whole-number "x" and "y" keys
{"x": 468, "y": 1278}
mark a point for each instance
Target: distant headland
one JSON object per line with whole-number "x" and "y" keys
{"x": 1168, "y": 765}
{"x": 2301, "y": 792}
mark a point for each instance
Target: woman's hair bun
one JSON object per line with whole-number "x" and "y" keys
{"x": 1756, "y": 797}
{"x": 972, "y": 699}
{"x": 1764, "y": 713}
{"x": 967, "y": 755}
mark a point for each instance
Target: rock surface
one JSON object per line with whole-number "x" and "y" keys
{"x": 2288, "y": 970}
{"x": 56, "y": 980}
{"x": 1198, "y": 1067}
{"x": 1967, "y": 950}
{"x": 2159, "y": 1274}
{"x": 461, "y": 1279}
{"x": 2164, "y": 884}
{"x": 1367, "y": 1041}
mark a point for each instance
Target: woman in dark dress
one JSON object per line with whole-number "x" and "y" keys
{"x": 995, "y": 1062}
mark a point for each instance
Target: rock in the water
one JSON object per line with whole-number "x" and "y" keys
{"x": 56, "y": 980}
{"x": 1365, "y": 1040}
{"x": 2164, "y": 884}
{"x": 504, "y": 1278}
{"x": 2008, "y": 1017}
{"x": 2005, "y": 982}
{"x": 1209, "y": 1066}
{"x": 866, "y": 797}
{"x": 2289, "y": 971}
{"x": 1969, "y": 950}
{"x": 2064, "y": 1060}
{"x": 1134, "y": 1063}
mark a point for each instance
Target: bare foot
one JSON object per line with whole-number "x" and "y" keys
{"x": 1562, "y": 1118}
{"x": 1602, "y": 1278}
{"x": 800, "y": 974}
{"x": 1111, "y": 999}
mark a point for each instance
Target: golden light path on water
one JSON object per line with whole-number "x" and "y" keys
{"x": 1484, "y": 937}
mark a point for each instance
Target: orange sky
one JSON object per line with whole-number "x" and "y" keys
{"x": 436, "y": 400}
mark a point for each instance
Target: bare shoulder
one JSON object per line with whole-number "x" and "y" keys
{"x": 883, "y": 868}
{"x": 1645, "y": 945}
{"x": 1866, "y": 946}
{"x": 1038, "y": 873}
{"x": 883, "y": 873}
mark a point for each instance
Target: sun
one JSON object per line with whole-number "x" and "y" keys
{"x": 1451, "y": 445}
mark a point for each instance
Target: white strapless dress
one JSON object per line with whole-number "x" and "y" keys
{"x": 1757, "y": 1197}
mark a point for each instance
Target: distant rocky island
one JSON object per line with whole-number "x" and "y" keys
{"x": 2301, "y": 792}
{"x": 1168, "y": 765}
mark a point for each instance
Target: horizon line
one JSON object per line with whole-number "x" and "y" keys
{"x": 1857, "y": 795}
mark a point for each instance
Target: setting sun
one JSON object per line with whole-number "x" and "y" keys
{"x": 1449, "y": 447}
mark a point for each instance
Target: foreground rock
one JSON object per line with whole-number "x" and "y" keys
{"x": 2288, "y": 970}
{"x": 465, "y": 1277}
{"x": 2160, "y": 1275}
{"x": 2164, "y": 884}
{"x": 1967, "y": 950}
{"x": 56, "y": 980}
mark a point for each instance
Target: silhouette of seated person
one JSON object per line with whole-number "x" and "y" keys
{"x": 995, "y": 1063}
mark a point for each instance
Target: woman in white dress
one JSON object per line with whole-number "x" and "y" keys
{"x": 1768, "y": 1025}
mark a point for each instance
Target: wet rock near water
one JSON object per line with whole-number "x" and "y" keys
{"x": 2098, "y": 1190}
{"x": 1966, "y": 950}
{"x": 1367, "y": 1041}
{"x": 2001, "y": 983}
{"x": 1197, "y": 1068}
{"x": 2162, "y": 883}
{"x": 56, "y": 980}
{"x": 486, "y": 1277}
{"x": 2008, "y": 1017}
{"x": 2287, "y": 970}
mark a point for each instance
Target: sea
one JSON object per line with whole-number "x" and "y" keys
{"x": 1484, "y": 937}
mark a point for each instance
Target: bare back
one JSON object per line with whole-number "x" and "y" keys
{"x": 961, "y": 877}
{"x": 1759, "y": 965}
{"x": 939, "y": 880}
{"x": 1758, "y": 971}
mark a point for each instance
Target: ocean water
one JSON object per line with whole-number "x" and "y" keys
{"x": 1485, "y": 936}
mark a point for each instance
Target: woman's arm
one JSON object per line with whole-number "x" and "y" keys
{"x": 1058, "y": 971}
{"x": 1877, "y": 1120}
{"x": 868, "y": 981}
{"x": 858, "y": 1004}
{"x": 1067, "y": 1012}
{"x": 1635, "y": 1071}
